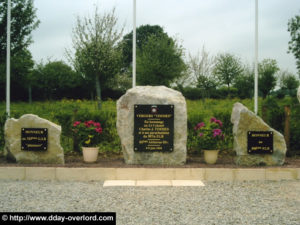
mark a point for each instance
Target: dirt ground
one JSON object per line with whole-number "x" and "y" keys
{"x": 117, "y": 161}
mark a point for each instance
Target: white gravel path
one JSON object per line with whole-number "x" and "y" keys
{"x": 259, "y": 202}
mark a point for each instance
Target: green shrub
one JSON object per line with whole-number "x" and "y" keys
{"x": 225, "y": 117}
{"x": 295, "y": 128}
{"x": 192, "y": 93}
{"x": 274, "y": 114}
{"x": 194, "y": 117}
{"x": 2, "y": 122}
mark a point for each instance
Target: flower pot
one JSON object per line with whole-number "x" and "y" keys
{"x": 211, "y": 156}
{"x": 90, "y": 154}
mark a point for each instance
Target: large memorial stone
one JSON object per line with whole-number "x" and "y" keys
{"x": 246, "y": 123}
{"x": 152, "y": 125}
{"x": 31, "y": 139}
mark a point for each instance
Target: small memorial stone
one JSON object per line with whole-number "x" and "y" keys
{"x": 32, "y": 139}
{"x": 245, "y": 121}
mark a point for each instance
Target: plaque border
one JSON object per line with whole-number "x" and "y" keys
{"x": 134, "y": 129}
{"x": 271, "y": 151}
{"x": 34, "y": 128}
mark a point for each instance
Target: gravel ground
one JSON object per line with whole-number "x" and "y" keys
{"x": 259, "y": 202}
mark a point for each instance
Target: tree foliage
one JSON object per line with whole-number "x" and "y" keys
{"x": 227, "y": 68}
{"x": 200, "y": 68}
{"x": 97, "y": 55}
{"x": 143, "y": 32}
{"x": 23, "y": 22}
{"x": 244, "y": 83}
{"x": 294, "y": 43}
{"x": 56, "y": 79}
{"x": 266, "y": 76}
{"x": 288, "y": 81}
{"x": 159, "y": 62}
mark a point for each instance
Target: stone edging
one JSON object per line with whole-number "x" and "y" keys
{"x": 101, "y": 174}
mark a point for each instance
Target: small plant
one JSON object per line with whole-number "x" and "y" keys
{"x": 88, "y": 133}
{"x": 210, "y": 136}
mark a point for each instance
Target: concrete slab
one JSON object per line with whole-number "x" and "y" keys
{"x": 130, "y": 173}
{"x": 144, "y": 174}
{"x": 250, "y": 174}
{"x": 40, "y": 173}
{"x": 179, "y": 183}
{"x": 118, "y": 183}
{"x": 219, "y": 174}
{"x": 12, "y": 173}
{"x": 153, "y": 183}
{"x": 100, "y": 174}
{"x": 159, "y": 174}
{"x": 71, "y": 174}
{"x": 281, "y": 174}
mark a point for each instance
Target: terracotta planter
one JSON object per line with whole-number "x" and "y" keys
{"x": 90, "y": 154}
{"x": 211, "y": 156}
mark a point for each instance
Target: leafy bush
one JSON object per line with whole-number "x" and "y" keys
{"x": 295, "y": 127}
{"x": 2, "y": 122}
{"x": 192, "y": 93}
{"x": 66, "y": 111}
{"x": 225, "y": 117}
{"x": 274, "y": 114}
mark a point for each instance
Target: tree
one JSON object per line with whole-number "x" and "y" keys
{"x": 227, "y": 68}
{"x": 266, "y": 76}
{"x": 56, "y": 79}
{"x": 200, "y": 69}
{"x": 288, "y": 83}
{"x": 244, "y": 83}
{"x": 143, "y": 32}
{"x": 23, "y": 22}
{"x": 97, "y": 55}
{"x": 159, "y": 62}
{"x": 294, "y": 43}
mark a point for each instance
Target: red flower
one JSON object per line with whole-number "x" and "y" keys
{"x": 91, "y": 122}
{"x": 76, "y": 123}
{"x": 98, "y": 125}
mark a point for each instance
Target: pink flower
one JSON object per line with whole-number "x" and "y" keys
{"x": 200, "y": 134}
{"x": 217, "y": 132}
{"x": 199, "y": 125}
{"x": 213, "y": 120}
{"x": 87, "y": 124}
{"x": 219, "y": 122}
{"x": 76, "y": 123}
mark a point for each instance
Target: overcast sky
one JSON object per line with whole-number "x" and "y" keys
{"x": 220, "y": 25}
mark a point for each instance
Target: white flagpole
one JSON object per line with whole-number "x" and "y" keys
{"x": 134, "y": 46}
{"x": 256, "y": 60}
{"x": 8, "y": 60}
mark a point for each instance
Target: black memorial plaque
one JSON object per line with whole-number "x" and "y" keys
{"x": 153, "y": 128}
{"x": 260, "y": 142}
{"x": 34, "y": 139}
